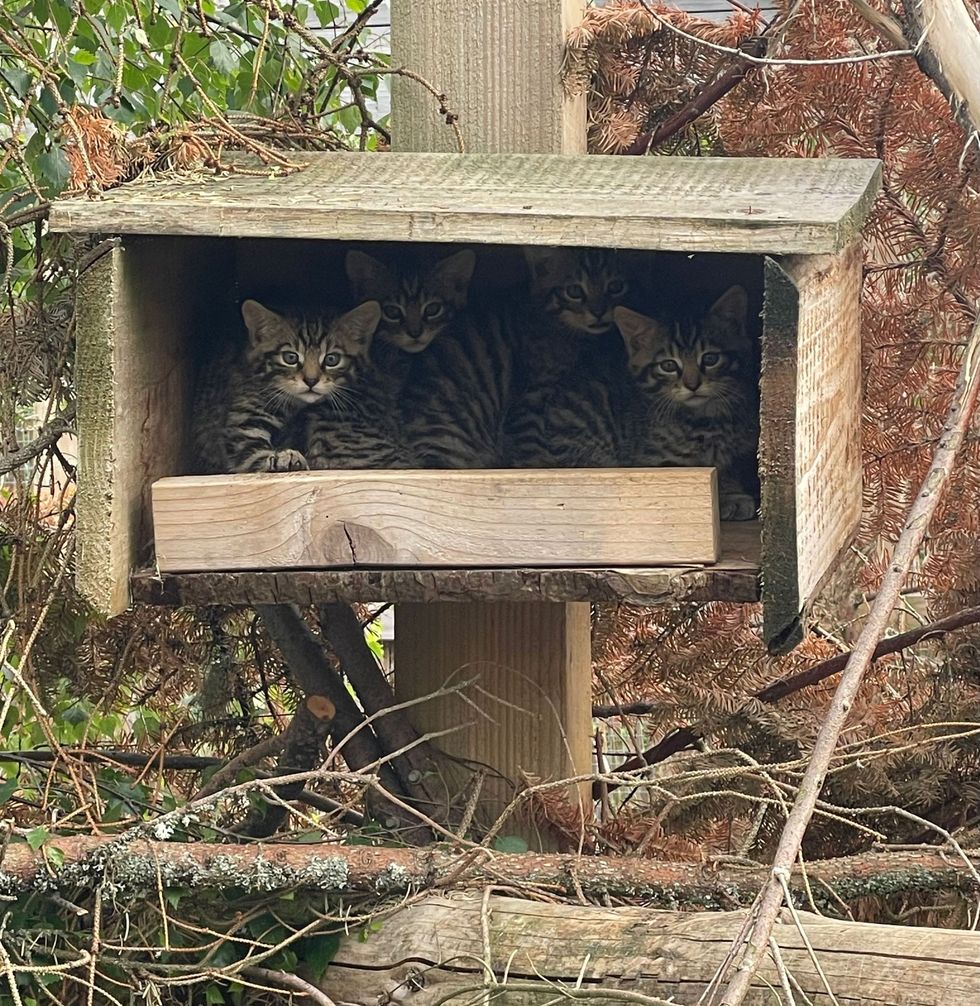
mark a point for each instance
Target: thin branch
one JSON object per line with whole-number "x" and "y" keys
{"x": 910, "y": 541}
{"x": 60, "y": 425}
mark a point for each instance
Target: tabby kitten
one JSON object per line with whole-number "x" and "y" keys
{"x": 415, "y": 306}
{"x": 245, "y": 403}
{"x": 686, "y": 397}
{"x": 573, "y": 293}
{"x": 697, "y": 401}
{"x": 365, "y": 429}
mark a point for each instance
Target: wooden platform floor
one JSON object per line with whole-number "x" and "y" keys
{"x": 734, "y": 578}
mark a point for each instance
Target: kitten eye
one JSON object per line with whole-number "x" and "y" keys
{"x": 393, "y": 312}
{"x": 616, "y": 287}
{"x": 575, "y": 292}
{"x": 710, "y": 359}
{"x": 432, "y": 311}
{"x": 669, "y": 366}
{"x": 289, "y": 357}
{"x": 332, "y": 360}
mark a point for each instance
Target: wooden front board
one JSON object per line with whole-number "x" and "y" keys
{"x": 310, "y": 520}
{"x": 739, "y": 204}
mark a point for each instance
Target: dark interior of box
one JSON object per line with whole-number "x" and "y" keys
{"x": 309, "y": 274}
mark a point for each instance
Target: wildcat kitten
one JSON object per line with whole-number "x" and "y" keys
{"x": 697, "y": 401}
{"x": 365, "y": 429}
{"x": 415, "y": 306}
{"x": 245, "y": 402}
{"x": 573, "y": 292}
{"x": 686, "y": 397}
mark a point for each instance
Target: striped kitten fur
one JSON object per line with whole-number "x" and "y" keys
{"x": 687, "y": 397}
{"x": 245, "y": 401}
{"x": 418, "y": 309}
{"x": 573, "y": 292}
{"x": 455, "y": 406}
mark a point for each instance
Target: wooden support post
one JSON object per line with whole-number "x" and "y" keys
{"x": 499, "y": 64}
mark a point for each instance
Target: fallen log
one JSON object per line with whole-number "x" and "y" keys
{"x": 436, "y": 950}
{"x": 141, "y": 864}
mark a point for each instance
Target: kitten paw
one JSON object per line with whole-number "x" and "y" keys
{"x": 736, "y": 506}
{"x": 287, "y": 461}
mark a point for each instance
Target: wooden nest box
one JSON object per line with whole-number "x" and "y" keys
{"x": 191, "y": 249}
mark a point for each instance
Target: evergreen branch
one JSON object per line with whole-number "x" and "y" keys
{"x": 770, "y": 899}
{"x": 45, "y": 440}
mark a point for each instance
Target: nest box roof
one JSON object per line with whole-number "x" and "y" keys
{"x": 758, "y": 205}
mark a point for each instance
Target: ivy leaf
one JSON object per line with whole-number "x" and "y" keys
{"x": 37, "y": 837}
{"x": 55, "y": 857}
{"x": 225, "y": 58}
{"x": 8, "y": 789}
{"x": 317, "y": 952}
{"x": 213, "y": 994}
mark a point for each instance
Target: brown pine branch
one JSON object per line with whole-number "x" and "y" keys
{"x": 708, "y": 95}
{"x": 770, "y": 899}
{"x": 687, "y": 737}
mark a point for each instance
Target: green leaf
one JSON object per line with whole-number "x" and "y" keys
{"x": 317, "y": 952}
{"x": 510, "y": 843}
{"x": 8, "y": 789}
{"x": 225, "y": 58}
{"x": 326, "y": 12}
{"x": 37, "y": 837}
{"x": 63, "y": 17}
{"x": 19, "y": 80}
{"x": 357, "y": 6}
{"x": 55, "y": 857}
{"x": 213, "y": 994}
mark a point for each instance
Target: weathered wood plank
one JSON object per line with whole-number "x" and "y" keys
{"x": 499, "y": 110}
{"x": 810, "y": 445}
{"x": 311, "y": 520}
{"x": 133, "y": 380}
{"x": 429, "y": 951}
{"x": 760, "y": 205}
{"x": 735, "y": 577}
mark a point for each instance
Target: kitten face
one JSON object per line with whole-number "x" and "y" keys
{"x": 579, "y": 287}
{"x": 307, "y": 359}
{"x": 699, "y": 364}
{"x": 415, "y": 307}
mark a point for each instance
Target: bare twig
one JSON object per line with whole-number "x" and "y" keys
{"x": 917, "y": 523}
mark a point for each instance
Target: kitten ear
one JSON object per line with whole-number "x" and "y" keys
{"x": 367, "y": 276}
{"x": 452, "y": 275}
{"x": 543, "y": 261}
{"x": 732, "y": 308}
{"x": 638, "y": 331}
{"x": 258, "y": 319}
{"x": 356, "y": 328}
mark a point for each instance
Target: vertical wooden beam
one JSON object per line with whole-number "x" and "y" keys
{"x": 498, "y": 63}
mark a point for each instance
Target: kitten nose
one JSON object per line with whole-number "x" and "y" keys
{"x": 310, "y": 381}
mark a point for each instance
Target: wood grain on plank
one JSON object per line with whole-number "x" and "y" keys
{"x": 312, "y": 520}
{"x": 650, "y": 953}
{"x": 738, "y": 204}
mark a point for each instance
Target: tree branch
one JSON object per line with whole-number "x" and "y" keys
{"x": 707, "y": 96}
{"x": 369, "y": 869}
{"x": 687, "y": 737}
{"x": 47, "y": 438}
{"x": 770, "y": 900}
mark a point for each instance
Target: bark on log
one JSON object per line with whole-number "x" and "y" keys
{"x": 435, "y": 949}
{"x": 138, "y": 865}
